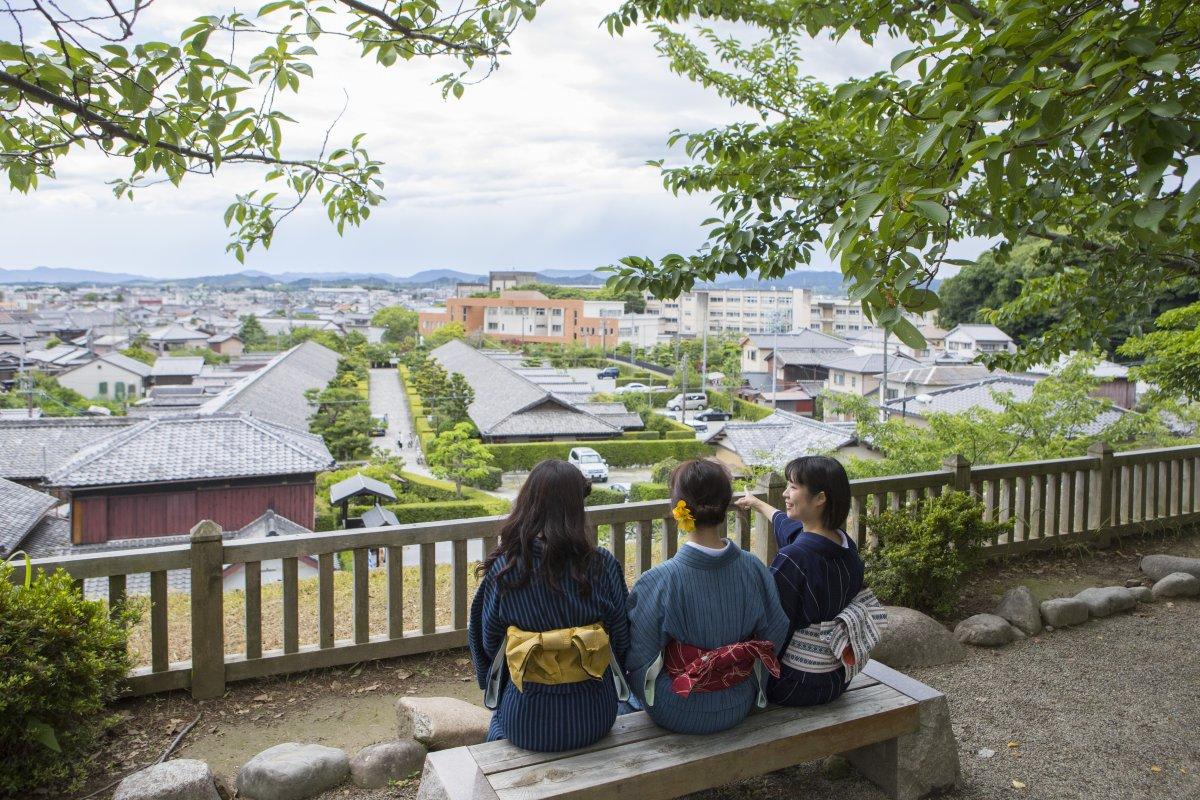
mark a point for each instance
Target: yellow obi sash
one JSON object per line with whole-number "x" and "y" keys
{"x": 566, "y": 655}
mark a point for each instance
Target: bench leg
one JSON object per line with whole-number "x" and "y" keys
{"x": 453, "y": 775}
{"x": 916, "y": 764}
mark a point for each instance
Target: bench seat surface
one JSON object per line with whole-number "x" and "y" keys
{"x": 640, "y": 760}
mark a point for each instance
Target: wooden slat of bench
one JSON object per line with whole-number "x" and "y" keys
{"x": 493, "y": 757}
{"x": 673, "y": 764}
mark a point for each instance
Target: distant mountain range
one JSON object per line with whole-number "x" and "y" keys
{"x": 822, "y": 281}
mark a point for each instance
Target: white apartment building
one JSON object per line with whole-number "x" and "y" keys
{"x": 736, "y": 310}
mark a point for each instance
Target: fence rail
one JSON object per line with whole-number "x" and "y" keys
{"x": 1093, "y": 499}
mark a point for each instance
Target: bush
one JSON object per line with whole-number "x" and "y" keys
{"x": 640, "y": 492}
{"x": 603, "y": 497}
{"x": 492, "y": 482}
{"x": 63, "y": 661}
{"x": 661, "y": 471}
{"x": 617, "y": 452}
{"x": 665, "y": 425}
{"x": 642, "y": 435}
{"x": 924, "y": 549}
{"x": 679, "y": 436}
{"x": 446, "y": 509}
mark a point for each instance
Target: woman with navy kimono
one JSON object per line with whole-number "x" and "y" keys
{"x": 548, "y": 620}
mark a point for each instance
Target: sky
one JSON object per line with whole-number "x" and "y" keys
{"x": 540, "y": 166}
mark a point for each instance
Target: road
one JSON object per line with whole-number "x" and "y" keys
{"x": 387, "y": 397}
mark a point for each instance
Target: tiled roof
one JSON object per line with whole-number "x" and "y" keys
{"x": 177, "y": 365}
{"x": 34, "y": 448}
{"x": 615, "y": 413}
{"x": 871, "y": 363}
{"x": 21, "y": 509}
{"x": 959, "y": 399}
{"x": 943, "y": 374}
{"x": 779, "y": 438}
{"x": 806, "y": 339}
{"x": 193, "y": 447}
{"x": 986, "y": 333}
{"x": 125, "y": 362}
{"x": 276, "y": 392}
{"x": 359, "y": 484}
{"x": 176, "y": 333}
{"x": 508, "y": 404}
{"x": 805, "y": 356}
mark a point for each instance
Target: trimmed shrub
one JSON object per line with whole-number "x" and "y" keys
{"x": 446, "y": 510}
{"x": 665, "y": 425}
{"x": 678, "y": 436}
{"x": 617, "y": 452}
{"x": 661, "y": 471}
{"x": 750, "y": 411}
{"x": 640, "y": 492}
{"x": 926, "y": 548}
{"x": 642, "y": 435}
{"x": 492, "y": 481}
{"x": 63, "y": 661}
{"x": 603, "y": 497}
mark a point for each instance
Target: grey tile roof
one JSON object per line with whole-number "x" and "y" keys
{"x": 944, "y": 374}
{"x": 177, "y": 365}
{"x": 21, "y": 509}
{"x": 615, "y": 413}
{"x": 276, "y": 392}
{"x": 357, "y": 485}
{"x": 34, "y": 448}
{"x": 871, "y": 363}
{"x": 799, "y": 340}
{"x": 139, "y": 368}
{"x": 777, "y": 439}
{"x": 508, "y": 404}
{"x": 805, "y": 356}
{"x": 980, "y": 332}
{"x": 193, "y": 447}
{"x": 176, "y": 333}
{"x": 963, "y": 398}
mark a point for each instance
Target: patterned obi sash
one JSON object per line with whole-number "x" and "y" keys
{"x": 694, "y": 669}
{"x": 565, "y": 655}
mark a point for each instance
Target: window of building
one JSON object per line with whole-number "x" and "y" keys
{"x": 556, "y": 328}
{"x": 839, "y": 379}
{"x": 119, "y": 390}
{"x": 556, "y": 312}
{"x": 493, "y": 326}
{"x": 854, "y": 381}
{"x": 892, "y": 394}
{"x": 104, "y": 387}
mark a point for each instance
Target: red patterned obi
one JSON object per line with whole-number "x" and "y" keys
{"x": 694, "y": 669}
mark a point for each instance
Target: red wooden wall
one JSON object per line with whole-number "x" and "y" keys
{"x": 101, "y": 518}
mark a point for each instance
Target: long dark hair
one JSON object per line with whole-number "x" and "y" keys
{"x": 549, "y": 507}
{"x": 823, "y": 474}
{"x": 705, "y": 486}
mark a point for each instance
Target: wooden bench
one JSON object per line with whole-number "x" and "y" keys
{"x": 895, "y": 730}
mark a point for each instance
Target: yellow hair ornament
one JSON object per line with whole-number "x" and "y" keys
{"x": 687, "y": 523}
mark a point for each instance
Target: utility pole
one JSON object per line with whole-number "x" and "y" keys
{"x": 704, "y": 350}
{"x": 883, "y": 414}
{"x": 683, "y": 371}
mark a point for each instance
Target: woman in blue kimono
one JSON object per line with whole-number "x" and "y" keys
{"x": 705, "y": 625}
{"x": 548, "y": 620}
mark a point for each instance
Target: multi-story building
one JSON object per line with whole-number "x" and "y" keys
{"x": 530, "y": 316}
{"x": 499, "y": 280}
{"x": 738, "y": 310}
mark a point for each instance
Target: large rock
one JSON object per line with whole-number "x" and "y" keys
{"x": 1019, "y": 608}
{"x": 1177, "y": 584}
{"x": 178, "y": 779}
{"x": 440, "y": 723}
{"x": 985, "y": 630}
{"x": 292, "y": 771}
{"x": 1106, "y": 601}
{"x": 375, "y": 766}
{"x": 1160, "y": 566}
{"x": 1142, "y": 594}
{"x": 912, "y": 639}
{"x": 1062, "y": 612}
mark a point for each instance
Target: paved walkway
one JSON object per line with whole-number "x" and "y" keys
{"x": 387, "y": 397}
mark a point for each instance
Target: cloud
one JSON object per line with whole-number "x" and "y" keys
{"x": 542, "y": 164}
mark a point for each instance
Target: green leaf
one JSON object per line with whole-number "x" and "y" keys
{"x": 934, "y": 212}
{"x": 908, "y": 333}
{"x": 43, "y": 734}
{"x": 1165, "y": 62}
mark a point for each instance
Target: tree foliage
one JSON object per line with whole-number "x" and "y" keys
{"x": 81, "y": 78}
{"x": 446, "y": 333}
{"x": 343, "y": 419}
{"x": 456, "y": 456}
{"x": 1056, "y": 421}
{"x": 252, "y": 332}
{"x": 1172, "y": 354}
{"x": 399, "y": 323}
{"x": 1068, "y": 121}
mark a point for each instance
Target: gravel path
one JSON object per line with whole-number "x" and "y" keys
{"x": 387, "y": 397}
{"x": 1091, "y": 709}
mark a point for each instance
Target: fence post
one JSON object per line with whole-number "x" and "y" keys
{"x": 1104, "y": 519}
{"x": 765, "y": 546}
{"x": 960, "y": 469}
{"x": 208, "y": 633}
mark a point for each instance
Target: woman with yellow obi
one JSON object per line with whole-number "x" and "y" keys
{"x": 548, "y": 627}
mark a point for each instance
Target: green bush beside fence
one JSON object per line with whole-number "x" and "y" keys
{"x": 648, "y": 491}
{"x": 603, "y": 497}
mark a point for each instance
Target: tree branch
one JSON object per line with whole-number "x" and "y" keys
{"x": 392, "y": 24}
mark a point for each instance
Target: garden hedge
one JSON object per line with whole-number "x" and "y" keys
{"x": 642, "y": 435}
{"x": 640, "y": 492}
{"x": 617, "y": 452}
{"x": 445, "y": 510}
{"x": 603, "y": 497}
{"x": 681, "y": 435}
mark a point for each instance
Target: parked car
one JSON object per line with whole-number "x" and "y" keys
{"x": 699, "y": 426}
{"x": 630, "y": 388}
{"x": 694, "y": 400}
{"x": 608, "y": 372}
{"x": 590, "y": 463}
{"x": 379, "y": 424}
{"x": 714, "y": 415}
{"x": 620, "y": 488}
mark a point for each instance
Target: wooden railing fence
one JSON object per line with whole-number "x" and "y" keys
{"x": 1090, "y": 499}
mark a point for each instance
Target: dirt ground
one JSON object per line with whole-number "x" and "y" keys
{"x": 351, "y": 707}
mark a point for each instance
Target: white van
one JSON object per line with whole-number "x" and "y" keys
{"x": 694, "y": 400}
{"x": 590, "y": 463}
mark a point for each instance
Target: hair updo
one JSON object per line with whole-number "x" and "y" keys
{"x": 705, "y": 486}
